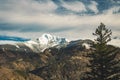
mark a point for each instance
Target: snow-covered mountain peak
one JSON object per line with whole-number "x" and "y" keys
{"x": 48, "y": 39}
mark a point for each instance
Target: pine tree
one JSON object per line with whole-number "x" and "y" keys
{"x": 104, "y": 65}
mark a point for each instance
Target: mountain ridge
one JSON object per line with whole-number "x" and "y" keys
{"x": 54, "y": 63}
{"x": 48, "y": 40}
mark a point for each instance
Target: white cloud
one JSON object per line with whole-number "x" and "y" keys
{"x": 112, "y": 10}
{"x": 76, "y": 6}
{"x": 28, "y": 6}
{"x": 54, "y": 20}
{"x": 83, "y": 26}
{"x": 31, "y": 12}
{"x": 93, "y": 6}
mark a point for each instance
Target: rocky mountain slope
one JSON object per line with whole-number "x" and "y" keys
{"x": 59, "y": 59}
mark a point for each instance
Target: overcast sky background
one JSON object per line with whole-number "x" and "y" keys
{"x": 73, "y": 19}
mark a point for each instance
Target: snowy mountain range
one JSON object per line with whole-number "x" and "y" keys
{"x": 46, "y": 41}
{"x": 39, "y": 45}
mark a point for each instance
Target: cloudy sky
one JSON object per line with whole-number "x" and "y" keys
{"x": 73, "y": 19}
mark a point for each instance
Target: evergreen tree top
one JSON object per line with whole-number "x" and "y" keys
{"x": 103, "y": 34}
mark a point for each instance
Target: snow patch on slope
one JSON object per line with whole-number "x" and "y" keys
{"x": 2, "y": 42}
{"x": 30, "y": 44}
{"x": 86, "y": 45}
